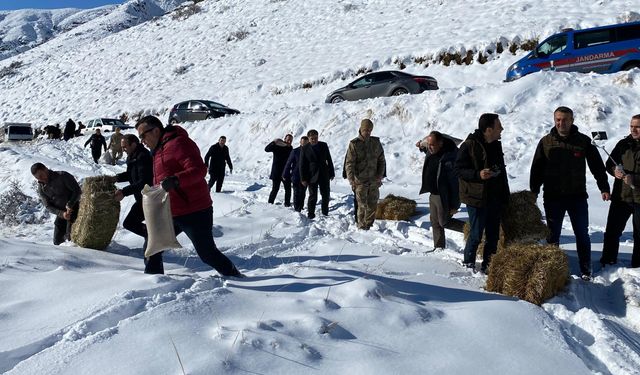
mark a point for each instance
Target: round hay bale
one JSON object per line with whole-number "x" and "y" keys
{"x": 98, "y": 214}
{"x": 522, "y": 219}
{"x": 395, "y": 208}
{"x": 530, "y": 272}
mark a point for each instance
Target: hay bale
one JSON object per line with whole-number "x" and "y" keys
{"x": 98, "y": 214}
{"x": 395, "y": 208}
{"x": 522, "y": 219}
{"x": 530, "y": 272}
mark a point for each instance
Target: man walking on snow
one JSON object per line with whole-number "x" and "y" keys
{"x": 365, "y": 166}
{"x": 559, "y": 165}
{"x": 180, "y": 170}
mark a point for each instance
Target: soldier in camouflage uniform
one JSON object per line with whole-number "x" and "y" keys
{"x": 365, "y": 166}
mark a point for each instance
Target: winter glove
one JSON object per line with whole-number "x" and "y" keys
{"x": 170, "y": 183}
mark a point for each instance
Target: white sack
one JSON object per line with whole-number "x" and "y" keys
{"x": 106, "y": 158}
{"x": 157, "y": 216}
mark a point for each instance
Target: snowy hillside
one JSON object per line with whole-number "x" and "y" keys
{"x": 321, "y": 296}
{"x": 21, "y": 30}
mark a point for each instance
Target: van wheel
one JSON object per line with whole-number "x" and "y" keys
{"x": 631, "y": 65}
{"x": 173, "y": 121}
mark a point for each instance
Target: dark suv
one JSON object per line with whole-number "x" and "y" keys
{"x": 195, "y": 110}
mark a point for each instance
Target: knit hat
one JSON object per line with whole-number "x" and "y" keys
{"x": 366, "y": 124}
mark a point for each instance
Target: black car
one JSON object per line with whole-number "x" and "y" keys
{"x": 387, "y": 83}
{"x": 195, "y": 110}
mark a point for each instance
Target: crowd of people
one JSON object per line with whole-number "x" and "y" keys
{"x": 474, "y": 174}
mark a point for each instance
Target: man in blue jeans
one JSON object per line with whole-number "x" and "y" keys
{"x": 483, "y": 187}
{"x": 559, "y": 165}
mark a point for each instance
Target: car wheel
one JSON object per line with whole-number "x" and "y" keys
{"x": 209, "y": 117}
{"x": 398, "y": 92}
{"x": 631, "y": 65}
{"x": 337, "y": 99}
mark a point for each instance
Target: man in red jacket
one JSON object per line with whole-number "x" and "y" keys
{"x": 179, "y": 168}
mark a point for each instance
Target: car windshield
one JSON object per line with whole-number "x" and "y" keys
{"x": 112, "y": 121}
{"x": 214, "y": 104}
{"x": 552, "y": 45}
{"x": 20, "y": 130}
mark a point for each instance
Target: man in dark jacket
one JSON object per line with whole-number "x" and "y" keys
{"x": 139, "y": 173}
{"x": 180, "y": 170}
{"x": 281, "y": 150}
{"x": 440, "y": 180}
{"x": 625, "y": 197}
{"x": 365, "y": 167}
{"x": 60, "y": 194}
{"x": 559, "y": 165}
{"x": 69, "y": 130}
{"x": 215, "y": 159}
{"x": 484, "y": 187}
{"x": 316, "y": 171}
{"x": 98, "y": 143}
{"x": 292, "y": 173}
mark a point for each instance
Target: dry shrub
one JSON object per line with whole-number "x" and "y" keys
{"x": 530, "y": 272}
{"x": 186, "y": 11}
{"x": 529, "y": 45}
{"x": 98, "y": 214}
{"x": 395, "y": 208}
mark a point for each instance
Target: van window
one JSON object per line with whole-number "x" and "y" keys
{"x": 552, "y": 45}
{"x": 592, "y": 38}
{"x": 22, "y": 130}
{"x": 628, "y": 32}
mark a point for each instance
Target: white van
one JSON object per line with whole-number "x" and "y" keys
{"x": 15, "y": 131}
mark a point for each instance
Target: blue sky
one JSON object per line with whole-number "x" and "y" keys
{"x": 54, "y": 4}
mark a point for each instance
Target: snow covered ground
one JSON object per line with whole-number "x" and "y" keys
{"x": 321, "y": 296}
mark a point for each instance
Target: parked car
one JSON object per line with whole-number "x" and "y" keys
{"x": 386, "y": 83}
{"x": 15, "y": 131}
{"x": 605, "y": 49}
{"x": 196, "y": 110}
{"x": 105, "y": 125}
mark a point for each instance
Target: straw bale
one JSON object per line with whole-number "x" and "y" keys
{"x": 522, "y": 219}
{"x": 394, "y": 207}
{"x": 98, "y": 214}
{"x": 530, "y": 272}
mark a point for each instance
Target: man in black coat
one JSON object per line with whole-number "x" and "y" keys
{"x": 60, "y": 193}
{"x": 281, "y": 150}
{"x": 484, "y": 187}
{"x": 625, "y": 197}
{"x": 560, "y": 165}
{"x": 69, "y": 130}
{"x": 98, "y": 143}
{"x": 440, "y": 180}
{"x": 292, "y": 173}
{"x": 215, "y": 160}
{"x": 139, "y": 173}
{"x": 316, "y": 170}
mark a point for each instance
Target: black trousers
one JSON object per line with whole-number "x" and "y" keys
{"x": 96, "y": 154}
{"x": 62, "y": 227}
{"x": 323, "y": 186}
{"x": 619, "y": 213}
{"x": 197, "y": 226}
{"x": 216, "y": 177}
{"x": 276, "y": 187}
{"x": 299, "y": 193}
{"x": 134, "y": 223}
